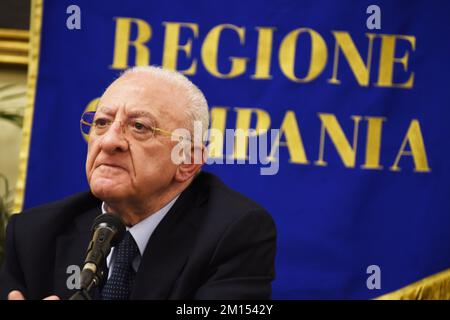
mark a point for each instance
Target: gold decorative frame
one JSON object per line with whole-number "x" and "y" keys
{"x": 33, "y": 64}
{"x": 14, "y": 46}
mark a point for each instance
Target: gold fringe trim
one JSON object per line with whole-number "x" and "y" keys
{"x": 435, "y": 287}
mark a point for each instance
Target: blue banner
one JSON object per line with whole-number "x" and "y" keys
{"x": 359, "y": 187}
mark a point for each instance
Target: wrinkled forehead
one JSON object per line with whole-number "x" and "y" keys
{"x": 140, "y": 95}
{"x": 128, "y": 111}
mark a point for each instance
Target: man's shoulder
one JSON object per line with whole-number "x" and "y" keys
{"x": 57, "y": 212}
{"x": 222, "y": 199}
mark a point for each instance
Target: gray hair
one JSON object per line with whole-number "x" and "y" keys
{"x": 197, "y": 108}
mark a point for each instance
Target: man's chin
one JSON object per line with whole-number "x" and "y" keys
{"x": 107, "y": 192}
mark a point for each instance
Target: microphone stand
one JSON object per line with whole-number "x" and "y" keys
{"x": 84, "y": 292}
{"x": 108, "y": 230}
{"x": 81, "y": 294}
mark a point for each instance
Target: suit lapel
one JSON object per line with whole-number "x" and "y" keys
{"x": 168, "y": 248}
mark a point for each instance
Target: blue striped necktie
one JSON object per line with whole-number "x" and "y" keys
{"x": 120, "y": 283}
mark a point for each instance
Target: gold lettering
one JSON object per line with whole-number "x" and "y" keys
{"x": 172, "y": 46}
{"x": 218, "y": 122}
{"x": 210, "y": 52}
{"x": 360, "y": 69}
{"x": 287, "y": 55}
{"x": 122, "y": 42}
{"x": 373, "y": 145}
{"x": 415, "y": 140}
{"x": 294, "y": 142}
{"x": 334, "y": 130}
{"x": 264, "y": 53}
{"x": 388, "y": 59}
{"x": 243, "y": 120}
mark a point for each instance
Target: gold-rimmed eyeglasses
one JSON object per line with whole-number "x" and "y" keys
{"x": 137, "y": 128}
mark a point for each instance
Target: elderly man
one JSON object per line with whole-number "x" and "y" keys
{"x": 188, "y": 235}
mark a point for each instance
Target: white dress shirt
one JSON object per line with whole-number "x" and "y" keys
{"x": 141, "y": 233}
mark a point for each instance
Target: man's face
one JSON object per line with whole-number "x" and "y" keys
{"x": 119, "y": 166}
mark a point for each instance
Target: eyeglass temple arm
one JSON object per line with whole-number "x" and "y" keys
{"x": 169, "y": 134}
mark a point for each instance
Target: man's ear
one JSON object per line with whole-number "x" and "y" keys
{"x": 192, "y": 164}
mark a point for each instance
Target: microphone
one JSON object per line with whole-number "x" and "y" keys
{"x": 108, "y": 230}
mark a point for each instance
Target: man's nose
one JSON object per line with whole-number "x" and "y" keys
{"x": 114, "y": 140}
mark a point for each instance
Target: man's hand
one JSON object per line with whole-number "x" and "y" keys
{"x": 17, "y": 295}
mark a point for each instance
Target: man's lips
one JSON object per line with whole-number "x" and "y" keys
{"x": 111, "y": 165}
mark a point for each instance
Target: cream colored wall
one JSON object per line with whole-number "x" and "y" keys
{"x": 12, "y": 100}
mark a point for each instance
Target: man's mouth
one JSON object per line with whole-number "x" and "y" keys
{"x": 110, "y": 165}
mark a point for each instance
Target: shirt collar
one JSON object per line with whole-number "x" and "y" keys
{"x": 143, "y": 230}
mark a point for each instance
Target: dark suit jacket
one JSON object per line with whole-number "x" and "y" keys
{"x": 213, "y": 244}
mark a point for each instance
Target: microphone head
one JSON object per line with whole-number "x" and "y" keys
{"x": 111, "y": 221}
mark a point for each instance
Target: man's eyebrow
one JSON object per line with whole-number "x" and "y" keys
{"x": 131, "y": 114}
{"x": 138, "y": 113}
{"x": 141, "y": 113}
